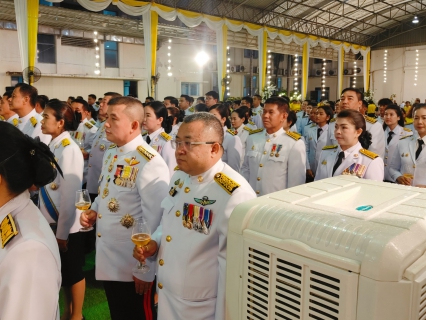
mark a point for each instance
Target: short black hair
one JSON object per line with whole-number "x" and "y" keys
{"x": 8, "y": 94}
{"x": 112, "y": 94}
{"x": 213, "y": 94}
{"x": 42, "y": 100}
{"x": 92, "y": 96}
{"x": 83, "y": 103}
{"x": 257, "y": 96}
{"x": 150, "y": 98}
{"x": 281, "y": 103}
{"x": 385, "y": 102}
{"x": 28, "y": 91}
{"x": 186, "y": 97}
{"x": 201, "y": 99}
{"x": 358, "y": 92}
{"x": 248, "y": 99}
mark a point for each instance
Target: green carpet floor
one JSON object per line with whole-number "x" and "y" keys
{"x": 95, "y": 302}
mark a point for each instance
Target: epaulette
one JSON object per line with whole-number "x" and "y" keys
{"x": 192, "y": 109}
{"x": 313, "y": 125}
{"x": 33, "y": 121}
{"x": 88, "y": 125}
{"x": 333, "y": 120}
{"x": 1, "y": 118}
{"x": 405, "y": 137}
{"x": 93, "y": 122}
{"x": 65, "y": 142}
{"x": 231, "y": 132}
{"x": 145, "y": 153}
{"x": 330, "y": 147}
{"x": 7, "y": 230}
{"x": 144, "y": 133}
{"x": 252, "y": 123}
{"x": 176, "y": 168}
{"x": 256, "y": 131}
{"x": 368, "y": 153}
{"x": 112, "y": 146}
{"x": 293, "y": 135}
{"x": 406, "y": 129}
{"x": 226, "y": 182}
{"x": 15, "y": 122}
{"x": 370, "y": 119}
{"x": 247, "y": 129}
{"x": 165, "y": 136}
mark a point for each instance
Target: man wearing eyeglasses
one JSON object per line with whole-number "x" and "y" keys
{"x": 193, "y": 233}
{"x": 212, "y": 98}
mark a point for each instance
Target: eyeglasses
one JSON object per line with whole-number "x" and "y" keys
{"x": 187, "y": 145}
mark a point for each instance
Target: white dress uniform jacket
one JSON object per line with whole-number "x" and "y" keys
{"x": 399, "y": 132}
{"x": 257, "y": 117}
{"x": 404, "y": 158}
{"x": 373, "y": 126}
{"x": 13, "y": 120}
{"x": 133, "y": 182}
{"x": 31, "y": 126}
{"x": 191, "y": 264}
{"x": 30, "y": 266}
{"x": 232, "y": 149}
{"x": 274, "y": 162}
{"x": 161, "y": 142}
{"x": 84, "y": 136}
{"x": 62, "y": 190}
{"x": 301, "y": 123}
{"x": 175, "y": 130}
{"x": 243, "y": 133}
{"x": 370, "y": 165}
{"x": 97, "y": 151}
{"x": 311, "y": 143}
{"x": 189, "y": 111}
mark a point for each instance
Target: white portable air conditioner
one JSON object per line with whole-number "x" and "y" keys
{"x": 341, "y": 248}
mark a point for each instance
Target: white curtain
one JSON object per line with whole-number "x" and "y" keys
{"x": 146, "y": 19}
{"x": 22, "y": 26}
{"x": 221, "y": 59}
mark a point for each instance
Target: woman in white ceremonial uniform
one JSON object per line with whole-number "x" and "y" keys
{"x": 238, "y": 121}
{"x": 394, "y": 130}
{"x": 159, "y": 126}
{"x": 232, "y": 146}
{"x": 30, "y": 266}
{"x": 57, "y": 202}
{"x": 351, "y": 156}
{"x": 323, "y": 115}
{"x": 408, "y": 164}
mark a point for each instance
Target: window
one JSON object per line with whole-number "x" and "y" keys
{"x": 46, "y": 3}
{"x": 109, "y": 13}
{"x": 190, "y": 88}
{"x": 248, "y": 53}
{"x": 46, "y": 48}
{"x": 111, "y": 54}
{"x": 246, "y": 83}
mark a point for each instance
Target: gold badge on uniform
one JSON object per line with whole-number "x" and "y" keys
{"x": 53, "y": 186}
{"x": 7, "y": 230}
{"x": 113, "y": 205}
{"x": 324, "y": 162}
{"x": 132, "y": 161}
{"x": 204, "y": 201}
{"x": 127, "y": 221}
{"x": 102, "y": 147}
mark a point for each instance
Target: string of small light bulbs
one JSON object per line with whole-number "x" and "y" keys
{"x": 269, "y": 68}
{"x": 227, "y": 76}
{"x": 324, "y": 63}
{"x": 355, "y": 73}
{"x": 296, "y": 73}
{"x": 417, "y": 67}
{"x": 385, "y": 67}
{"x": 169, "y": 58}
{"x": 97, "y": 53}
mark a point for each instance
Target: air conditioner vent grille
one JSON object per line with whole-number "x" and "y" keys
{"x": 422, "y": 303}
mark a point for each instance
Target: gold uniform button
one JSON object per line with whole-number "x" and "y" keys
{"x": 91, "y": 155}
{"x": 168, "y": 238}
{"x": 257, "y": 192}
{"x": 90, "y": 165}
{"x": 258, "y": 178}
{"x": 161, "y": 262}
{"x": 269, "y": 140}
{"x": 99, "y": 216}
{"x": 261, "y": 165}
{"x": 99, "y": 235}
{"x": 187, "y": 190}
{"x": 178, "y": 213}
{"x": 264, "y": 152}
{"x": 160, "y": 285}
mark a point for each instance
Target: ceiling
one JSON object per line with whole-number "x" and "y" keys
{"x": 362, "y": 22}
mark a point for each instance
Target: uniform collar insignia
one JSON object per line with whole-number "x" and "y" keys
{"x": 204, "y": 201}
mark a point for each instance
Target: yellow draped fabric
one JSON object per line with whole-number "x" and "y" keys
{"x": 367, "y": 71}
{"x": 154, "y": 29}
{"x": 305, "y": 68}
{"x": 32, "y": 14}
{"x": 341, "y": 68}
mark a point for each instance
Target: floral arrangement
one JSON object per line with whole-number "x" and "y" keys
{"x": 267, "y": 91}
{"x": 369, "y": 96}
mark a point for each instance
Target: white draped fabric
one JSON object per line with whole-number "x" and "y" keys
{"x": 146, "y": 18}
{"x": 192, "y": 19}
{"x": 221, "y": 59}
{"x": 22, "y": 27}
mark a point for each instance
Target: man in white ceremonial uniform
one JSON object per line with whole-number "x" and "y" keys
{"x": 85, "y": 133}
{"x": 133, "y": 182}
{"x": 352, "y": 99}
{"x": 5, "y": 113}
{"x": 24, "y": 98}
{"x": 274, "y": 159}
{"x": 99, "y": 146}
{"x": 192, "y": 237}
{"x": 257, "y": 111}
{"x": 185, "y": 104}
